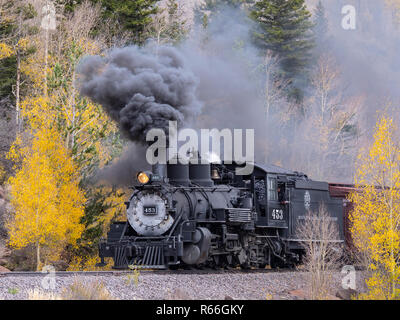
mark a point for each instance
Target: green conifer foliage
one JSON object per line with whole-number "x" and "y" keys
{"x": 285, "y": 28}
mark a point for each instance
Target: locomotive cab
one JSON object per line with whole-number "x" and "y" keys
{"x": 271, "y": 195}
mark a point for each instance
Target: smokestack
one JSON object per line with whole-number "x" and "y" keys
{"x": 200, "y": 172}
{"x": 160, "y": 169}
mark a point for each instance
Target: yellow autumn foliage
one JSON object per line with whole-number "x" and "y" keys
{"x": 116, "y": 208}
{"x": 84, "y": 126}
{"x": 65, "y": 138}
{"x": 2, "y": 174}
{"x": 88, "y": 263}
{"x": 5, "y": 50}
{"x": 114, "y": 200}
{"x": 48, "y": 203}
{"x": 376, "y": 217}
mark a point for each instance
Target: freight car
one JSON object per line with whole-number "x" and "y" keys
{"x": 201, "y": 214}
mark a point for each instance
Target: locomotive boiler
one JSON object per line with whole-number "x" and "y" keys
{"x": 201, "y": 214}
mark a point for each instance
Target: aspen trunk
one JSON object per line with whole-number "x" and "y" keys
{"x": 37, "y": 256}
{"x": 46, "y": 51}
{"x": 18, "y": 80}
{"x": 17, "y": 93}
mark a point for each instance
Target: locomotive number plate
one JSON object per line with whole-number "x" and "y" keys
{"x": 150, "y": 210}
{"x": 277, "y": 214}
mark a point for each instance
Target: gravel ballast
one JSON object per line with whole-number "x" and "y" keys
{"x": 253, "y": 286}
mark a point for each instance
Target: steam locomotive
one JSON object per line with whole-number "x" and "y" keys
{"x": 202, "y": 214}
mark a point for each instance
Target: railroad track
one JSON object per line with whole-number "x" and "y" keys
{"x": 142, "y": 272}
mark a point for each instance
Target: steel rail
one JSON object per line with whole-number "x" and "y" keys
{"x": 142, "y": 272}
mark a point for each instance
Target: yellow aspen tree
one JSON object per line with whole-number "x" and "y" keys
{"x": 2, "y": 174}
{"x": 86, "y": 129}
{"x": 5, "y": 50}
{"x": 48, "y": 203}
{"x": 376, "y": 217}
{"x": 84, "y": 133}
{"x": 105, "y": 206}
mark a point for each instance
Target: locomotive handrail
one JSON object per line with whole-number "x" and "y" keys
{"x": 123, "y": 231}
{"x": 190, "y": 203}
{"x": 175, "y": 224}
{"x": 211, "y": 189}
{"x": 206, "y": 197}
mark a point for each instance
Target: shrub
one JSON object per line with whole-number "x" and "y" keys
{"x": 81, "y": 290}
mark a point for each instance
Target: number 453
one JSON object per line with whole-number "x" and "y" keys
{"x": 277, "y": 214}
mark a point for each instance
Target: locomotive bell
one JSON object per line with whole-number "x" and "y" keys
{"x": 215, "y": 175}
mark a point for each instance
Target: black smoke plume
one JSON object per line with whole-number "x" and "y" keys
{"x": 141, "y": 88}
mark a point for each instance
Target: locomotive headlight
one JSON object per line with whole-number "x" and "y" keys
{"x": 143, "y": 177}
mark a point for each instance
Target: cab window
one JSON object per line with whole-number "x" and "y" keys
{"x": 272, "y": 192}
{"x": 259, "y": 187}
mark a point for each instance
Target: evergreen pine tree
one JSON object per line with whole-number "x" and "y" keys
{"x": 13, "y": 16}
{"x": 132, "y": 15}
{"x": 8, "y": 65}
{"x": 320, "y": 25}
{"x": 285, "y": 29}
{"x": 8, "y": 69}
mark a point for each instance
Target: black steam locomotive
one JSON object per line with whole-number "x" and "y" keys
{"x": 207, "y": 215}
